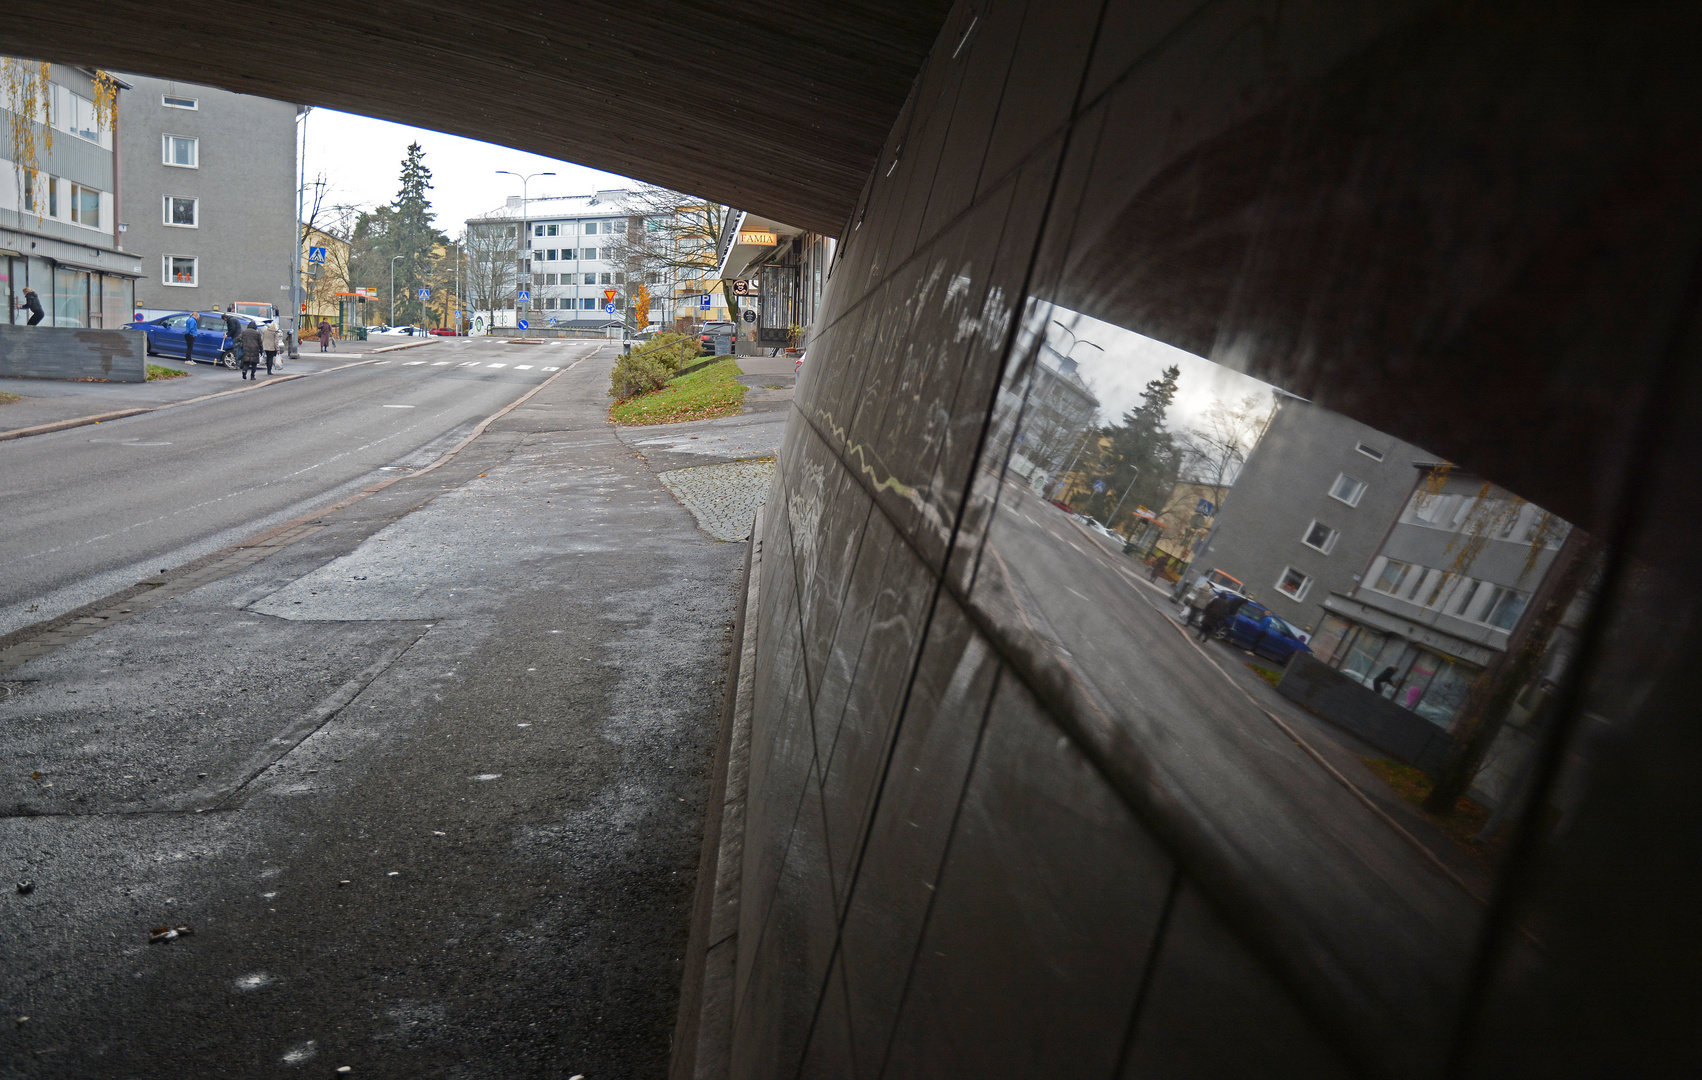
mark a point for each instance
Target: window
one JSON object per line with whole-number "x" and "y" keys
{"x": 1463, "y": 597}
{"x": 1293, "y": 583}
{"x": 549, "y": 279}
{"x": 1320, "y": 536}
{"x": 181, "y": 210}
{"x": 1370, "y": 451}
{"x": 606, "y": 280}
{"x": 590, "y": 228}
{"x": 590, "y": 279}
{"x": 588, "y": 303}
{"x": 179, "y": 269}
{"x": 182, "y": 151}
{"x": 550, "y": 255}
{"x": 620, "y": 279}
{"x": 550, "y": 230}
{"x": 537, "y": 230}
{"x": 1348, "y": 489}
{"x": 1390, "y": 577}
{"x": 34, "y": 182}
{"x": 75, "y": 113}
{"x": 1504, "y": 607}
{"x": 178, "y": 102}
{"x": 620, "y": 226}
{"x": 85, "y": 206}
{"x": 549, "y": 303}
{"x": 53, "y": 196}
{"x": 606, "y": 253}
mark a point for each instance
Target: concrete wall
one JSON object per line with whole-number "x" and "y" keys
{"x": 1001, "y": 820}
{"x": 47, "y": 352}
{"x": 246, "y": 181}
{"x": 1404, "y": 735}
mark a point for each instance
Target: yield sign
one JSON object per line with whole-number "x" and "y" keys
{"x": 609, "y": 295}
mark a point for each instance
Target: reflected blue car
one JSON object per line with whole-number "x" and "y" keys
{"x": 1264, "y": 634}
{"x": 212, "y": 345}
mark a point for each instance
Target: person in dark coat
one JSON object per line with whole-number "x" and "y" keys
{"x": 233, "y": 330}
{"x": 324, "y": 335}
{"x": 1384, "y": 678}
{"x": 33, "y": 303}
{"x": 1221, "y": 609}
{"x": 248, "y": 348}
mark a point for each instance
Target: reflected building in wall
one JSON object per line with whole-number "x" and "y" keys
{"x": 1059, "y": 422}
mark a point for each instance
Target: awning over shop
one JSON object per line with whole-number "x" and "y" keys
{"x": 748, "y": 239}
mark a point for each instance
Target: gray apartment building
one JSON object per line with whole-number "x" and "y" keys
{"x": 1409, "y": 575}
{"x": 1309, "y": 509}
{"x": 210, "y": 195}
{"x": 571, "y": 257}
{"x": 59, "y": 230}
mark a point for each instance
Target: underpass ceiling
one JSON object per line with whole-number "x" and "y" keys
{"x": 775, "y": 108}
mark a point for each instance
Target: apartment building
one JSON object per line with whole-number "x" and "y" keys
{"x": 59, "y": 221}
{"x": 570, "y": 261}
{"x": 210, "y": 185}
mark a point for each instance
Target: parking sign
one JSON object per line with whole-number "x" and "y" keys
{"x": 703, "y": 301}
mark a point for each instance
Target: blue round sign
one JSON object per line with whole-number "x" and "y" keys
{"x": 524, "y": 325}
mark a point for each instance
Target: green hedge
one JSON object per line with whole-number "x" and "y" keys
{"x": 649, "y": 368}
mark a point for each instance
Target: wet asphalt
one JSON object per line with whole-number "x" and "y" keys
{"x": 426, "y": 784}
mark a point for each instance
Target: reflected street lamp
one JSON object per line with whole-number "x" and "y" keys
{"x": 525, "y": 236}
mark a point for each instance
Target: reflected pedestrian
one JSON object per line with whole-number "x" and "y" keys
{"x": 190, "y": 329}
{"x": 248, "y": 348}
{"x": 1384, "y": 678}
{"x": 324, "y": 336}
{"x": 32, "y": 303}
{"x": 1221, "y": 609}
{"x": 269, "y": 344}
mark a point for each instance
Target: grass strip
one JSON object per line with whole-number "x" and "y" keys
{"x": 701, "y": 395}
{"x": 155, "y": 371}
{"x": 7, "y": 399}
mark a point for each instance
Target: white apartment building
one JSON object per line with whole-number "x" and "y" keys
{"x": 570, "y": 257}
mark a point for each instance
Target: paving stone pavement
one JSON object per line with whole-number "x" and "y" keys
{"x": 723, "y": 497}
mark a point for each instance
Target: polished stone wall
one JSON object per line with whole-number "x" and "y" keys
{"x": 1003, "y": 817}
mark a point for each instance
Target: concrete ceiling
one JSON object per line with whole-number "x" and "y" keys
{"x": 772, "y": 107}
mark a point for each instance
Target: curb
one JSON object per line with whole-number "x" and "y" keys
{"x": 407, "y": 345}
{"x": 703, "y": 1030}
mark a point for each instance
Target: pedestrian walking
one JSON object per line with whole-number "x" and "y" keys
{"x": 324, "y": 336}
{"x": 1384, "y": 678}
{"x": 1152, "y": 568}
{"x": 269, "y": 344}
{"x": 233, "y": 330}
{"x": 248, "y": 348}
{"x": 33, "y": 303}
{"x": 189, "y": 331}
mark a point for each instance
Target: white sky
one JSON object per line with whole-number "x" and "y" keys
{"x": 1129, "y": 361}
{"x": 362, "y": 162}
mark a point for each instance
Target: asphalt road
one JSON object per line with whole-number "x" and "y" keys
{"x": 93, "y": 509}
{"x": 1378, "y": 918}
{"x": 427, "y": 784}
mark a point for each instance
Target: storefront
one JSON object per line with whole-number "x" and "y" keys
{"x": 71, "y": 295}
{"x": 1418, "y": 678}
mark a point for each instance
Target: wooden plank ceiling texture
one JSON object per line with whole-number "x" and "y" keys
{"x": 776, "y": 108}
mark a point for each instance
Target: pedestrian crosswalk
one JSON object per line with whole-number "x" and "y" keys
{"x": 467, "y": 364}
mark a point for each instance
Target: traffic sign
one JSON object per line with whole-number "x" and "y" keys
{"x": 1099, "y": 485}
{"x": 610, "y": 308}
{"x": 1204, "y": 506}
{"x": 524, "y": 325}
{"x": 424, "y": 293}
{"x": 703, "y": 301}
{"x": 315, "y": 254}
{"x": 609, "y": 295}
{"x": 552, "y": 320}
{"x": 524, "y": 295}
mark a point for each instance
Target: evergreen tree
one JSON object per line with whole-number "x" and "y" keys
{"x": 1138, "y": 459}
{"x": 404, "y": 227}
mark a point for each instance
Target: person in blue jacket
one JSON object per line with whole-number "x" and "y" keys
{"x": 189, "y": 329}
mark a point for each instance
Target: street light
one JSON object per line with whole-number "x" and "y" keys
{"x": 393, "y": 259}
{"x": 525, "y": 235}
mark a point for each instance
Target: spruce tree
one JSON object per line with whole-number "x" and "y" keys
{"x": 1139, "y": 460}
{"x": 408, "y": 231}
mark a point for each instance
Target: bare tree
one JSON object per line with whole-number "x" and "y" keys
{"x": 1215, "y": 449}
{"x": 670, "y": 238}
{"x": 491, "y": 251}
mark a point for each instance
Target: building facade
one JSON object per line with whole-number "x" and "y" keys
{"x": 1309, "y": 509}
{"x": 783, "y": 270}
{"x": 210, "y": 192}
{"x": 59, "y": 221}
{"x": 571, "y": 261}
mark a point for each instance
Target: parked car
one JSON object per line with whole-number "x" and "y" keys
{"x": 712, "y": 330}
{"x": 1257, "y": 630}
{"x": 1093, "y": 523}
{"x": 212, "y": 345}
{"x": 443, "y": 331}
{"x": 1209, "y": 584}
{"x": 395, "y": 333}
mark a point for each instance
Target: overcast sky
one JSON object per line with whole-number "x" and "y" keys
{"x": 361, "y": 159}
{"x": 1125, "y": 362}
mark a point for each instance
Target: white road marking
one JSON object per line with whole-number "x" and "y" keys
{"x": 469, "y": 363}
{"x": 440, "y": 363}
{"x": 522, "y": 367}
{"x": 552, "y": 369}
{"x": 375, "y": 363}
{"x": 412, "y": 363}
{"x": 398, "y": 406}
{"x": 496, "y": 365}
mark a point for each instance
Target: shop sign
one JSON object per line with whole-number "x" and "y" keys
{"x": 758, "y": 238}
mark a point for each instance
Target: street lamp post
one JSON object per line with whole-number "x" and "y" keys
{"x": 392, "y": 312}
{"x": 526, "y": 238}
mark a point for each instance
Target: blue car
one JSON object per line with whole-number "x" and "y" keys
{"x": 212, "y": 344}
{"x": 1264, "y": 634}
